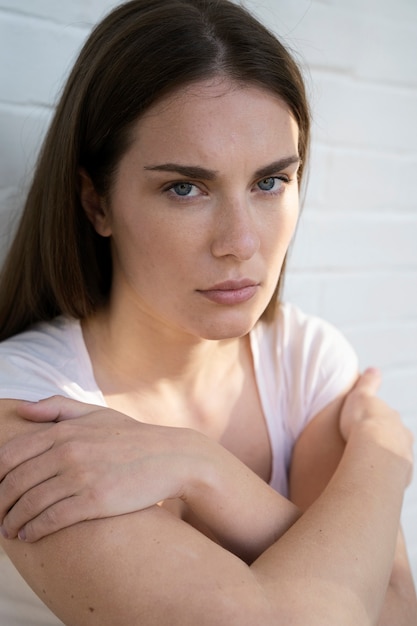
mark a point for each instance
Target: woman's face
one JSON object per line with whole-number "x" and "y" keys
{"x": 202, "y": 209}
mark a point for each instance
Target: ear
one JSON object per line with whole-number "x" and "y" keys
{"x": 94, "y": 205}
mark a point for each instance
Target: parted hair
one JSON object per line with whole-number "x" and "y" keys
{"x": 142, "y": 51}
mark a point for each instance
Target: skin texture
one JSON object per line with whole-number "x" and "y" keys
{"x": 169, "y": 248}
{"x": 175, "y": 236}
{"x": 315, "y": 457}
{"x": 310, "y": 573}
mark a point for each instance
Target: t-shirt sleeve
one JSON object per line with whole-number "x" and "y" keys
{"x": 46, "y": 360}
{"x": 321, "y": 365}
{"x": 22, "y": 379}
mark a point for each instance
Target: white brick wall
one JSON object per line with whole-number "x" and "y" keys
{"x": 354, "y": 261}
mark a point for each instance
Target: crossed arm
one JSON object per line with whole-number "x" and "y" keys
{"x": 314, "y": 460}
{"x": 151, "y": 567}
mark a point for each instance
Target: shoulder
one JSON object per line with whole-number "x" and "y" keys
{"x": 306, "y": 360}
{"x": 49, "y": 358}
{"x": 301, "y": 340}
{"x": 310, "y": 340}
{"x": 43, "y": 338}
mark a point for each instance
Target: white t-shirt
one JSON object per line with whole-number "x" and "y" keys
{"x": 301, "y": 364}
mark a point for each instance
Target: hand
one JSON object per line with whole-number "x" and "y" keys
{"x": 88, "y": 462}
{"x": 363, "y": 408}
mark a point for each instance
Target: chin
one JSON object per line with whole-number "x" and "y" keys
{"x": 228, "y": 326}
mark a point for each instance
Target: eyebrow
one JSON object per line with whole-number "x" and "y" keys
{"x": 193, "y": 171}
{"x": 189, "y": 171}
{"x": 277, "y": 166}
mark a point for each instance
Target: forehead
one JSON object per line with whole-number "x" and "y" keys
{"x": 219, "y": 113}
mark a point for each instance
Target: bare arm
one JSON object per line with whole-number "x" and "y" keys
{"x": 98, "y": 463}
{"x": 315, "y": 458}
{"x": 117, "y": 567}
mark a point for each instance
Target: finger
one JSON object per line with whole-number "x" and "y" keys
{"x": 54, "y": 409}
{"x": 32, "y": 503}
{"x": 60, "y": 515}
{"x": 369, "y": 382}
{"x": 23, "y": 478}
{"x": 22, "y": 448}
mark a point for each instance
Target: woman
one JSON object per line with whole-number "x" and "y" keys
{"x": 143, "y": 284}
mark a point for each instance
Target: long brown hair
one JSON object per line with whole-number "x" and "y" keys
{"x": 141, "y": 51}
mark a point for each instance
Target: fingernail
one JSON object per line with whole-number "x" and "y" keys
{"x": 3, "y": 531}
{"x": 22, "y": 534}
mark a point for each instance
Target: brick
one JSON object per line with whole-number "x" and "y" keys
{"x": 316, "y": 176}
{"x": 81, "y": 13}
{"x": 26, "y": 47}
{"x": 323, "y": 33}
{"x": 66, "y": 12}
{"x": 363, "y": 181}
{"x": 364, "y": 115}
{"x": 346, "y": 241}
{"x": 21, "y": 130}
{"x": 401, "y": 11}
{"x": 399, "y": 389}
{"x": 374, "y": 297}
{"x": 314, "y": 31}
{"x": 348, "y": 299}
{"x": 99, "y": 8}
{"x": 392, "y": 345}
{"x": 387, "y": 41}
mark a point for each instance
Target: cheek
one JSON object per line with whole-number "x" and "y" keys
{"x": 154, "y": 248}
{"x": 283, "y": 228}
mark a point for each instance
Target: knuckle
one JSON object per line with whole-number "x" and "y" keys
{"x": 24, "y": 510}
{"x": 70, "y": 452}
{"x": 10, "y": 484}
{"x": 96, "y": 495}
{"x": 62, "y": 429}
{"x": 82, "y": 478}
{"x": 6, "y": 460}
{"x": 28, "y": 505}
{"x": 48, "y": 520}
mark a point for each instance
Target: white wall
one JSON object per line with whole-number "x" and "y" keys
{"x": 354, "y": 261}
{"x": 355, "y": 257}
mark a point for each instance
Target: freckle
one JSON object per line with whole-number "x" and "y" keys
{"x": 91, "y": 609}
{"x": 42, "y": 564}
{"x": 72, "y": 596}
{"x": 43, "y": 591}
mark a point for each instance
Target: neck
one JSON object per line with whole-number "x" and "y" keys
{"x": 130, "y": 351}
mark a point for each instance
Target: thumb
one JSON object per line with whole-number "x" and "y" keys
{"x": 53, "y": 409}
{"x": 369, "y": 381}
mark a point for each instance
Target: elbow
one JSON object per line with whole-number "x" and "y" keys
{"x": 298, "y": 606}
{"x": 316, "y": 603}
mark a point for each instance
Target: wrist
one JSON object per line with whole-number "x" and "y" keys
{"x": 201, "y": 466}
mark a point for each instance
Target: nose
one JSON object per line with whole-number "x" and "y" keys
{"x": 235, "y": 233}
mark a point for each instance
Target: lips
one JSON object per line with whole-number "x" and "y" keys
{"x": 229, "y": 285}
{"x": 231, "y": 292}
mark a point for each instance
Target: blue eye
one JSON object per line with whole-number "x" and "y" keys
{"x": 183, "y": 189}
{"x": 272, "y": 183}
